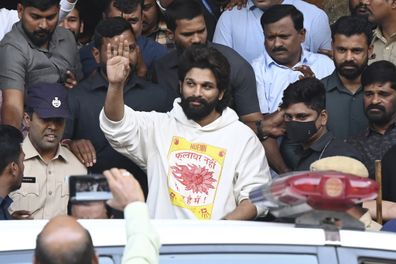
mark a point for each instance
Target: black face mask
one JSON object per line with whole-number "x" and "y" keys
{"x": 300, "y": 132}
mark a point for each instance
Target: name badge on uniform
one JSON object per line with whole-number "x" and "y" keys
{"x": 29, "y": 179}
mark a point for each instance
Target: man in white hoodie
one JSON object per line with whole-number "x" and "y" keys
{"x": 201, "y": 161}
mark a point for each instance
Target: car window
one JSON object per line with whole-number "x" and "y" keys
{"x": 106, "y": 260}
{"x": 376, "y": 261}
{"x": 366, "y": 256}
{"x": 229, "y": 258}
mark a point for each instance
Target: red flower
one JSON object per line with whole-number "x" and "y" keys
{"x": 193, "y": 177}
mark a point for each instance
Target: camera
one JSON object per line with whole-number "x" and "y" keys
{"x": 92, "y": 187}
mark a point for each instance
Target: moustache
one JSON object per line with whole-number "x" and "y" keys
{"x": 347, "y": 63}
{"x": 377, "y": 107}
{"x": 42, "y": 32}
{"x": 362, "y": 6}
{"x": 277, "y": 49}
{"x": 196, "y": 99}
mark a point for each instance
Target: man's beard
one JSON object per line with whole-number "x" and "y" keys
{"x": 351, "y": 73}
{"x": 39, "y": 37}
{"x": 379, "y": 118}
{"x": 200, "y": 112}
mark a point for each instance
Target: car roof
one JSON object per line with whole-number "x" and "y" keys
{"x": 21, "y": 234}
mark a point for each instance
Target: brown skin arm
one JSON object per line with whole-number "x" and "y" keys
{"x": 388, "y": 209}
{"x": 12, "y": 107}
{"x": 84, "y": 150}
{"x": 274, "y": 157}
{"x": 326, "y": 52}
{"x": 124, "y": 187}
{"x": 244, "y": 211}
{"x": 271, "y": 125}
{"x": 22, "y": 215}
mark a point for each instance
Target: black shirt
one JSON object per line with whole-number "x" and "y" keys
{"x": 389, "y": 175}
{"x": 87, "y": 100}
{"x": 345, "y": 109}
{"x": 326, "y": 146}
{"x": 374, "y": 145}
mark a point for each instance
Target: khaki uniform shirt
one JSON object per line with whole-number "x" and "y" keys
{"x": 45, "y": 190}
{"x": 369, "y": 223}
{"x": 383, "y": 49}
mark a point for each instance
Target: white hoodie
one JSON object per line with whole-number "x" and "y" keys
{"x": 193, "y": 172}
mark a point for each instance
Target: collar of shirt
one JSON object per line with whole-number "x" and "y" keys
{"x": 31, "y": 152}
{"x": 377, "y": 34}
{"x": 324, "y": 140}
{"x": 5, "y": 202}
{"x": 368, "y": 222}
{"x": 317, "y": 146}
{"x": 371, "y": 130}
{"x": 53, "y": 43}
{"x": 334, "y": 83}
{"x": 270, "y": 62}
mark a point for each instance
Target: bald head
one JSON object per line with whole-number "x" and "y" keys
{"x": 64, "y": 241}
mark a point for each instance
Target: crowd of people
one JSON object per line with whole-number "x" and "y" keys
{"x": 200, "y": 100}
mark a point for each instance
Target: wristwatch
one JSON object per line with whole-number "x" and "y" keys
{"x": 260, "y": 134}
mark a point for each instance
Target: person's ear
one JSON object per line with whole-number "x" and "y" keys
{"x": 11, "y": 169}
{"x": 26, "y": 119}
{"x": 370, "y": 51}
{"x": 302, "y": 34}
{"x": 20, "y": 10}
{"x": 221, "y": 95}
{"x": 96, "y": 54}
{"x": 181, "y": 88}
{"x": 170, "y": 35}
{"x": 323, "y": 118}
{"x": 82, "y": 27}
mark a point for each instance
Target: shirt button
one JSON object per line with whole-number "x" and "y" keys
{"x": 49, "y": 172}
{"x": 50, "y": 192}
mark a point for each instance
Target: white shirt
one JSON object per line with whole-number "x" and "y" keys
{"x": 7, "y": 19}
{"x": 242, "y": 31}
{"x": 272, "y": 78}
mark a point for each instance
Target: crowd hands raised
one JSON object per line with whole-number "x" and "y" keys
{"x": 197, "y": 123}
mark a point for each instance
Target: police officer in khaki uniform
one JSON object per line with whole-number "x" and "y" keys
{"x": 45, "y": 192}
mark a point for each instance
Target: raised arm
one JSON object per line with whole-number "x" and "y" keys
{"x": 118, "y": 69}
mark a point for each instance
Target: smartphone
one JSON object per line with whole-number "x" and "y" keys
{"x": 93, "y": 187}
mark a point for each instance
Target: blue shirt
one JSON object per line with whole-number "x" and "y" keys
{"x": 272, "y": 78}
{"x": 242, "y": 31}
{"x": 4, "y": 204}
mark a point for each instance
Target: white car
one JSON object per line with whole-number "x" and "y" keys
{"x": 218, "y": 242}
